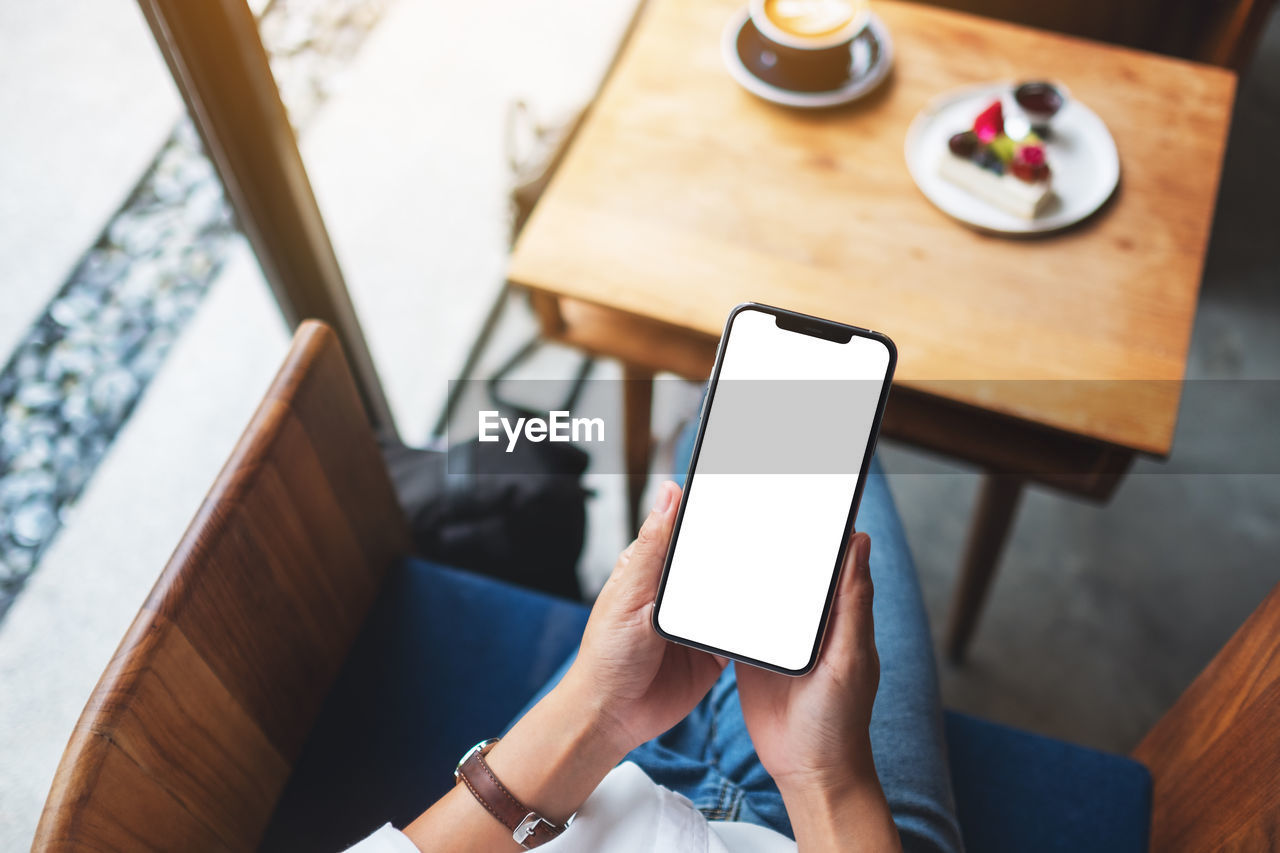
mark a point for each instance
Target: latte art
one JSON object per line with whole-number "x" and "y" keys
{"x": 811, "y": 19}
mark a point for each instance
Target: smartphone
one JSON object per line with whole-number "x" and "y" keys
{"x": 788, "y": 426}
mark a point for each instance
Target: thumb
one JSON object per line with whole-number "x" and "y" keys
{"x": 643, "y": 558}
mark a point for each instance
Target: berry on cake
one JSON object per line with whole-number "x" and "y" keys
{"x": 1012, "y": 174}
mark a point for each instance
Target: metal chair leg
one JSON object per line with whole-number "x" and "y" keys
{"x": 519, "y": 357}
{"x": 473, "y": 359}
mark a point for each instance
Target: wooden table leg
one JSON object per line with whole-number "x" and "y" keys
{"x": 637, "y": 409}
{"x": 993, "y": 516}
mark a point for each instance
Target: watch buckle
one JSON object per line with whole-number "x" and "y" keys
{"x": 528, "y": 827}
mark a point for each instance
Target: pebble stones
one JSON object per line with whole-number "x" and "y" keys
{"x": 70, "y": 384}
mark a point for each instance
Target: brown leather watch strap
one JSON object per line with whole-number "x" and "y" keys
{"x": 528, "y": 828}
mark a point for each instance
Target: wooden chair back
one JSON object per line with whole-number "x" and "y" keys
{"x": 1219, "y": 32}
{"x": 190, "y": 735}
{"x": 1215, "y": 756}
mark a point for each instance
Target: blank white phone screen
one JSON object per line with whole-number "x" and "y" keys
{"x": 787, "y": 428}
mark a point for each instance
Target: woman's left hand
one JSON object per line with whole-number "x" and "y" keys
{"x": 643, "y": 684}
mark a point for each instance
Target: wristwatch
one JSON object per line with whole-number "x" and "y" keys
{"x": 528, "y": 828}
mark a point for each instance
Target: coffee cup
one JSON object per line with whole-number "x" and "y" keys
{"x": 809, "y": 40}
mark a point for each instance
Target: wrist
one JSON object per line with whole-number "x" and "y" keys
{"x": 839, "y": 811}
{"x": 852, "y": 769}
{"x": 551, "y": 761}
{"x": 594, "y": 725}
{"x": 556, "y": 755}
{"x": 610, "y": 725}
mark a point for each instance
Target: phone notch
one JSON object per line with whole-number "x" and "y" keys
{"x": 806, "y": 326}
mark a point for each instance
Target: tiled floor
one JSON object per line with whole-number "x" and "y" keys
{"x": 1099, "y": 618}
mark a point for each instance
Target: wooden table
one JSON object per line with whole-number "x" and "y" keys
{"x": 1053, "y": 360}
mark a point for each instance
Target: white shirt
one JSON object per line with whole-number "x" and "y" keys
{"x": 630, "y": 813}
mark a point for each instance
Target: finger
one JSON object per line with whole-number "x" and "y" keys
{"x": 852, "y": 627}
{"x": 644, "y": 557}
{"x": 863, "y": 595}
{"x": 704, "y": 668}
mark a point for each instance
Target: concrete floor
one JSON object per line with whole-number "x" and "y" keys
{"x": 407, "y": 161}
{"x": 1100, "y": 616}
{"x": 74, "y": 143}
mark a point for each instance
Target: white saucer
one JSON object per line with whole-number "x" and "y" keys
{"x": 872, "y": 57}
{"x": 1082, "y": 154}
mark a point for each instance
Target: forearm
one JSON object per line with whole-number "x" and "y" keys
{"x": 551, "y": 760}
{"x": 849, "y": 815}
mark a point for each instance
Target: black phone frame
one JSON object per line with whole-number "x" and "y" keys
{"x": 801, "y": 324}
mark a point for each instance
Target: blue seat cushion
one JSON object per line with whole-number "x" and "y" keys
{"x": 445, "y": 660}
{"x": 1017, "y": 791}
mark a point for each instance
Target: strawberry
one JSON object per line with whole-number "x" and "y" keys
{"x": 990, "y": 123}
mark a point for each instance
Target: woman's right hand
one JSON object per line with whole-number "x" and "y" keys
{"x": 812, "y": 732}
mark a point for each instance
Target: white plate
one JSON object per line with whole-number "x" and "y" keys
{"x": 1081, "y": 152}
{"x": 870, "y": 67}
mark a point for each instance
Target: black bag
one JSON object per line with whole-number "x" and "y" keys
{"x": 518, "y": 516}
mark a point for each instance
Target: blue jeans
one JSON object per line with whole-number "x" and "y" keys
{"x": 708, "y": 757}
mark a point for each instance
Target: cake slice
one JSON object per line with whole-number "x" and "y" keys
{"x": 1026, "y": 199}
{"x": 1011, "y": 174}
